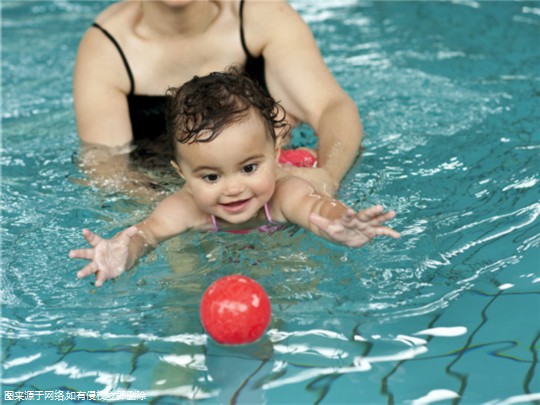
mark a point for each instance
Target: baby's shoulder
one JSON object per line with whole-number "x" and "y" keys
{"x": 284, "y": 178}
{"x": 288, "y": 184}
{"x": 180, "y": 210}
{"x": 179, "y": 200}
{"x": 290, "y": 194}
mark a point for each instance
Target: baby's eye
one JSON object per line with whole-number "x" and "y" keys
{"x": 210, "y": 178}
{"x": 249, "y": 168}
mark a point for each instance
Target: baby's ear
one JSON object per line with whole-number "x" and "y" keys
{"x": 277, "y": 147}
{"x": 177, "y": 168}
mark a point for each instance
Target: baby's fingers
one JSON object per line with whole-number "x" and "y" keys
{"x": 91, "y": 237}
{"x": 385, "y": 231}
{"x": 369, "y": 213}
{"x": 101, "y": 277}
{"x": 87, "y": 270}
{"x": 387, "y": 216}
{"x": 375, "y": 215}
{"x": 82, "y": 254}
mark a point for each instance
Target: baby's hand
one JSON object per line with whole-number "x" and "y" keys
{"x": 108, "y": 257}
{"x": 356, "y": 229}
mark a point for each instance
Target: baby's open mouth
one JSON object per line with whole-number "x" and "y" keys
{"x": 236, "y": 205}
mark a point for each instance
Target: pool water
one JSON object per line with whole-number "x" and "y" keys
{"x": 450, "y": 313}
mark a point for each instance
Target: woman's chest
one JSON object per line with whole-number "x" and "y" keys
{"x": 158, "y": 66}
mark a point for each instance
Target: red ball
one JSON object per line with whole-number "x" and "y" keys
{"x": 235, "y": 310}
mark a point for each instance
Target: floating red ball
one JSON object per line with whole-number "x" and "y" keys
{"x": 235, "y": 310}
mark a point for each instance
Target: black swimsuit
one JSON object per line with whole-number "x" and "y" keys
{"x": 147, "y": 113}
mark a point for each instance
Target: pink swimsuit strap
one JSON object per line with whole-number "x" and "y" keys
{"x": 215, "y": 227}
{"x": 214, "y": 223}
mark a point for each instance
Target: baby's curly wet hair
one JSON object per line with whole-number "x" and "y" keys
{"x": 204, "y": 106}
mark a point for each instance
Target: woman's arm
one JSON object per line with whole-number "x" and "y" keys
{"x": 100, "y": 88}
{"x": 112, "y": 169}
{"x": 298, "y": 77}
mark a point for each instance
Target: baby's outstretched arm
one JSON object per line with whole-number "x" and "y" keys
{"x": 109, "y": 258}
{"x": 356, "y": 229}
{"x": 330, "y": 218}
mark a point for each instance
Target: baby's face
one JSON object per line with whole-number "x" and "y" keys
{"x": 234, "y": 175}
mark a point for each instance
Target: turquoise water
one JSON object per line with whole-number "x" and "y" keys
{"x": 449, "y": 95}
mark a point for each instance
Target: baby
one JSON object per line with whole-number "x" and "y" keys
{"x": 226, "y": 136}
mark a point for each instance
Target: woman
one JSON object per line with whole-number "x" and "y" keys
{"x": 138, "y": 49}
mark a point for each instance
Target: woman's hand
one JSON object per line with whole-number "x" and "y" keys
{"x": 356, "y": 229}
{"x": 109, "y": 258}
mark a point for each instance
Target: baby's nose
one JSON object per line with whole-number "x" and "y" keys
{"x": 234, "y": 186}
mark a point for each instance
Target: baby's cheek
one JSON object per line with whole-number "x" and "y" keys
{"x": 203, "y": 199}
{"x": 270, "y": 186}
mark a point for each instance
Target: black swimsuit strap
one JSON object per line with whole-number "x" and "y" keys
{"x": 126, "y": 64}
{"x": 242, "y": 37}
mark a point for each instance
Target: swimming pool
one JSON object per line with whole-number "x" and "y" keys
{"x": 449, "y": 95}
